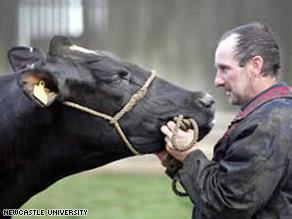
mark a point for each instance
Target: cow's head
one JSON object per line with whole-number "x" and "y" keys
{"x": 105, "y": 84}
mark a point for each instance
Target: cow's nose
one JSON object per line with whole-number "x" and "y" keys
{"x": 207, "y": 101}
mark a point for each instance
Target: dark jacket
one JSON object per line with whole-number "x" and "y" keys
{"x": 250, "y": 175}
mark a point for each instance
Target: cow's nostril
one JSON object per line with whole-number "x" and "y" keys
{"x": 207, "y": 101}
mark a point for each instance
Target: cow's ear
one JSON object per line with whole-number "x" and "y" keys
{"x": 63, "y": 46}
{"x": 40, "y": 86}
{"x": 21, "y": 57}
{"x": 60, "y": 46}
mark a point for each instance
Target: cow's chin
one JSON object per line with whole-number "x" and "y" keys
{"x": 152, "y": 144}
{"x": 146, "y": 145}
{"x": 204, "y": 131}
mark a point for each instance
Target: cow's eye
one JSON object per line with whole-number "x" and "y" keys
{"x": 123, "y": 74}
{"x": 116, "y": 80}
{"x": 118, "y": 77}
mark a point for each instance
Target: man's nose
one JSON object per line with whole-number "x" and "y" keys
{"x": 218, "y": 81}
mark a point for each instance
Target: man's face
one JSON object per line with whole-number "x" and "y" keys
{"x": 235, "y": 80}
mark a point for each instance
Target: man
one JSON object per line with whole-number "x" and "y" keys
{"x": 250, "y": 174}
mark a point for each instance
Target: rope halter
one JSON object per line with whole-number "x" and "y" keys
{"x": 114, "y": 120}
{"x": 184, "y": 124}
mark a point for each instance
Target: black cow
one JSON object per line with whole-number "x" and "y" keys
{"x": 42, "y": 142}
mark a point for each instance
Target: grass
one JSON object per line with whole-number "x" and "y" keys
{"x": 113, "y": 196}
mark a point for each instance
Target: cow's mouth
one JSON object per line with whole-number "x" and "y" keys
{"x": 157, "y": 137}
{"x": 148, "y": 144}
{"x": 204, "y": 127}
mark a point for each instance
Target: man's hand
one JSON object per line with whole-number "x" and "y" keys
{"x": 183, "y": 138}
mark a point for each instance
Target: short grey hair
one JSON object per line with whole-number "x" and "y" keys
{"x": 256, "y": 39}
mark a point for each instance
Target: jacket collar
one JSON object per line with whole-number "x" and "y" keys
{"x": 276, "y": 91}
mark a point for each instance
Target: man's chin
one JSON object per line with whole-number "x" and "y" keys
{"x": 232, "y": 100}
{"x": 234, "y": 103}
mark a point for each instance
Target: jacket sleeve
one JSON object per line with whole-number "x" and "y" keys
{"x": 245, "y": 178}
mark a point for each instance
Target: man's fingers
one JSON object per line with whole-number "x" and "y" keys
{"x": 165, "y": 130}
{"x": 169, "y": 149}
{"x": 171, "y": 125}
{"x": 168, "y": 142}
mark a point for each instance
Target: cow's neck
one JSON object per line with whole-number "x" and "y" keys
{"x": 13, "y": 157}
{"x": 18, "y": 145}
{"x": 46, "y": 170}
{"x": 31, "y": 156}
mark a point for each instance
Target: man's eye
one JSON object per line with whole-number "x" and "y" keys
{"x": 224, "y": 69}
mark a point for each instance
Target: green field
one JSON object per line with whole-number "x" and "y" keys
{"x": 114, "y": 196}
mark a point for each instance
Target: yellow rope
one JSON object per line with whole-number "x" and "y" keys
{"x": 87, "y": 110}
{"x": 139, "y": 95}
{"x": 114, "y": 120}
{"x": 134, "y": 99}
{"x": 123, "y": 136}
{"x": 184, "y": 124}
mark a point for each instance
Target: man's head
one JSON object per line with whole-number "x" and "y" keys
{"x": 247, "y": 60}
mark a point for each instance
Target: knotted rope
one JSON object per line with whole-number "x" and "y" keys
{"x": 172, "y": 165}
{"x": 184, "y": 124}
{"x": 113, "y": 120}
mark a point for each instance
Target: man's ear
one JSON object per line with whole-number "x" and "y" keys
{"x": 21, "y": 57}
{"x": 257, "y": 64}
{"x": 40, "y": 86}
